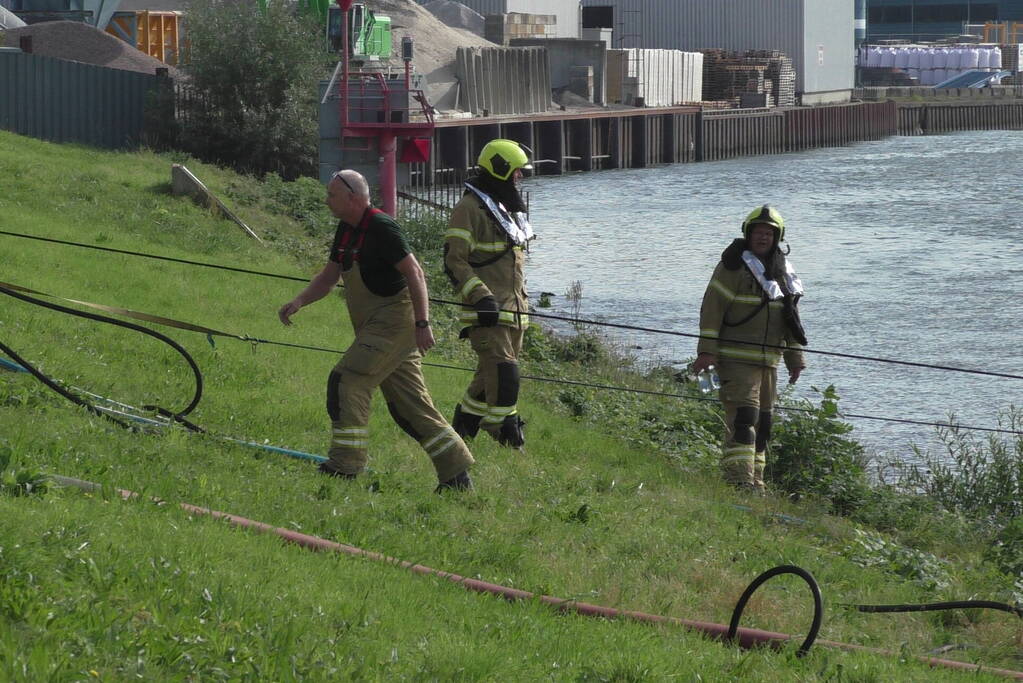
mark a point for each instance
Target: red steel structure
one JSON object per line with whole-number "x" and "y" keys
{"x": 376, "y": 116}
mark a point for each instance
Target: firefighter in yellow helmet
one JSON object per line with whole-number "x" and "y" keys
{"x": 484, "y": 256}
{"x": 388, "y": 303}
{"x": 749, "y": 320}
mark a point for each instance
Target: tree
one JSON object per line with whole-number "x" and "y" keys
{"x": 251, "y": 99}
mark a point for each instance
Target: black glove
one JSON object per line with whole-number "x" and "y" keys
{"x": 487, "y": 311}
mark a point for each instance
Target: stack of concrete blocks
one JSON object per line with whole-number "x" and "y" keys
{"x": 569, "y": 59}
{"x": 503, "y": 80}
{"x": 654, "y": 78}
{"x": 503, "y": 28}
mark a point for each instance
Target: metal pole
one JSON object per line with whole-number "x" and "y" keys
{"x": 860, "y": 30}
{"x": 345, "y": 5}
{"x": 388, "y": 172}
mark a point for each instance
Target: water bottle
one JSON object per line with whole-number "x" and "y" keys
{"x": 708, "y": 380}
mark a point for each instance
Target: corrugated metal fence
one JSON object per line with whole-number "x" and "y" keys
{"x": 63, "y": 101}
{"x": 941, "y": 117}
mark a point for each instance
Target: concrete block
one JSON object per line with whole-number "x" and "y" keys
{"x": 581, "y": 81}
{"x": 494, "y": 29}
{"x": 183, "y": 182}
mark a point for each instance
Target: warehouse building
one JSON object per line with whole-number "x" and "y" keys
{"x": 816, "y": 34}
{"x": 924, "y": 20}
{"x": 566, "y": 13}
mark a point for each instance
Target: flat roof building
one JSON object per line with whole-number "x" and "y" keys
{"x": 916, "y": 20}
{"x": 816, "y": 34}
{"x": 566, "y": 11}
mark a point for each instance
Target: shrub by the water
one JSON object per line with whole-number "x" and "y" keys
{"x": 978, "y": 476}
{"x": 811, "y": 455}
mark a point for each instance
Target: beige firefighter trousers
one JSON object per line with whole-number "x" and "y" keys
{"x": 486, "y": 396}
{"x": 745, "y": 386}
{"x": 384, "y": 355}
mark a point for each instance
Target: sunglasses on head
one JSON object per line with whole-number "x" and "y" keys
{"x": 337, "y": 174}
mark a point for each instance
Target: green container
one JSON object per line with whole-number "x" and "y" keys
{"x": 370, "y": 33}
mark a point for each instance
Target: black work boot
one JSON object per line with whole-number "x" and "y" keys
{"x": 511, "y": 432}
{"x": 459, "y": 482}
{"x": 465, "y": 425}
{"x": 327, "y": 468}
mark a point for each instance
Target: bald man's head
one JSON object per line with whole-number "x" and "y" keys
{"x": 354, "y": 182}
{"x": 348, "y": 195}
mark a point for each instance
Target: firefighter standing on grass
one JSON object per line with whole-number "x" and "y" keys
{"x": 484, "y": 256}
{"x": 388, "y": 303}
{"x": 748, "y": 321}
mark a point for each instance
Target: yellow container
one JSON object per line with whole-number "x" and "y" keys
{"x": 155, "y": 33}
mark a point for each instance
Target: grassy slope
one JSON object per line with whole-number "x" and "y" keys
{"x": 96, "y": 584}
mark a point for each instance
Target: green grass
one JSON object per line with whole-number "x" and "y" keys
{"x": 97, "y": 587}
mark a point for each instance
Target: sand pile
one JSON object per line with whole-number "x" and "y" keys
{"x": 78, "y": 42}
{"x": 456, "y": 15}
{"x": 434, "y": 46}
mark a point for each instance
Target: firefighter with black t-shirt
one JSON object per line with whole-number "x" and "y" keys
{"x": 388, "y": 303}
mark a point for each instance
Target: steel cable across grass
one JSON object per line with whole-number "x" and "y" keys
{"x": 548, "y": 316}
{"x": 210, "y": 332}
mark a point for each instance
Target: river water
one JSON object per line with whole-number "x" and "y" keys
{"x": 909, "y": 248}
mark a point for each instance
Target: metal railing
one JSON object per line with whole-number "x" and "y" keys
{"x": 434, "y": 194}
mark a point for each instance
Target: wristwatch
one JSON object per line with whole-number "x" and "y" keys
{"x": 422, "y": 323}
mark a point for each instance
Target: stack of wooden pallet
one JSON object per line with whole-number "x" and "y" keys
{"x": 728, "y": 76}
{"x": 1011, "y": 62}
{"x": 780, "y": 72}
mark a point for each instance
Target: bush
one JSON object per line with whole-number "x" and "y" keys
{"x": 924, "y": 569}
{"x": 303, "y": 200}
{"x": 1006, "y": 552}
{"x": 252, "y": 99}
{"x": 977, "y": 476}
{"x": 811, "y": 455}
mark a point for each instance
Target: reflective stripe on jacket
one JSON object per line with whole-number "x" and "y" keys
{"x": 481, "y": 261}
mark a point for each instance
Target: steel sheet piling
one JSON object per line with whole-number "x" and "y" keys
{"x": 639, "y": 138}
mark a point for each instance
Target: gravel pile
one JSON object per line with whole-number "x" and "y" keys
{"x": 435, "y": 42}
{"x": 457, "y": 15}
{"x": 78, "y": 42}
{"x": 434, "y": 46}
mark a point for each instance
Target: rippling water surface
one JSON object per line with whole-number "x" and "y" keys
{"x": 909, "y": 248}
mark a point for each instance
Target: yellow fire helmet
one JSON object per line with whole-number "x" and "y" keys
{"x": 766, "y": 215}
{"x": 500, "y": 158}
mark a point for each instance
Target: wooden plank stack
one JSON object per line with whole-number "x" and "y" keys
{"x": 727, "y": 76}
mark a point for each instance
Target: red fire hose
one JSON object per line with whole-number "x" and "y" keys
{"x": 746, "y": 638}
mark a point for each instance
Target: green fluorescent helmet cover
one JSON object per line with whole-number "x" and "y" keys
{"x": 501, "y": 158}
{"x": 767, "y": 215}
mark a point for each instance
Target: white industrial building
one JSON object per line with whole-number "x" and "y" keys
{"x": 568, "y": 12}
{"x": 816, "y": 34}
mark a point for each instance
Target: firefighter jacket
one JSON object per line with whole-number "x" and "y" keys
{"x": 739, "y": 319}
{"x": 482, "y": 260}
